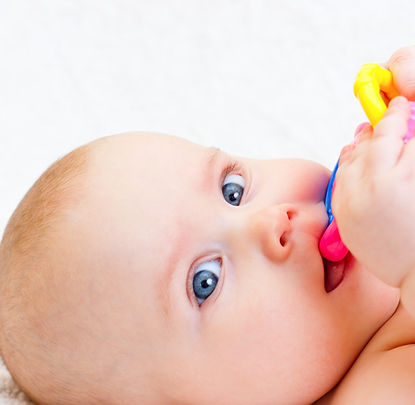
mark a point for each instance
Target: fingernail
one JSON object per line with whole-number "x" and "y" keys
{"x": 358, "y": 131}
{"x": 397, "y": 99}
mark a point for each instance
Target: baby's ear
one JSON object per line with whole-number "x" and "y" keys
{"x": 402, "y": 66}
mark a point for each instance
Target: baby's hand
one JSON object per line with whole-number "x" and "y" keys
{"x": 402, "y": 66}
{"x": 374, "y": 198}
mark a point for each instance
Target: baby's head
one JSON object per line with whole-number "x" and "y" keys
{"x": 145, "y": 269}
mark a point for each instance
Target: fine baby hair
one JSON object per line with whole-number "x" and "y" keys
{"x": 373, "y": 85}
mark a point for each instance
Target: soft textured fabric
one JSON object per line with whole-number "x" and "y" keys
{"x": 10, "y": 393}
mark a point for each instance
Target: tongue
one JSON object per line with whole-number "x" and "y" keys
{"x": 333, "y": 274}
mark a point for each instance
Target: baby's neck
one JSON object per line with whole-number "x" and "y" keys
{"x": 397, "y": 331}
{"x": 326, "y": 400}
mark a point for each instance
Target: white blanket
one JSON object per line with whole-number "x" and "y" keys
{"x": 10, "y": 393}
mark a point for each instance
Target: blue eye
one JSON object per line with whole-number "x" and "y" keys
{"x": 233, "y": 189}
{"x": 205, "y": 279}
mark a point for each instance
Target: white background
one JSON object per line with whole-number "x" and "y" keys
{"x": 257, "y": 78}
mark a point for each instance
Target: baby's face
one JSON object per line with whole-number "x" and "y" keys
{"x": 257, "y": 325}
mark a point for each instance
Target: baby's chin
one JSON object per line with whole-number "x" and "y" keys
{"x": 381, "y": 298}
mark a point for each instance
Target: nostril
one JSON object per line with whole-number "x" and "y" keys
{"x": 283, "y": 239}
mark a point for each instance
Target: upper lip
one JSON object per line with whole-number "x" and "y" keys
{"x": 315, "y": 225}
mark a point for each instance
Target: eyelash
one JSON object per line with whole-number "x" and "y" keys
{"x": 230, "y": 168}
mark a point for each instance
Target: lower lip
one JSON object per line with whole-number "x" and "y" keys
{"x": 334, "y": 272}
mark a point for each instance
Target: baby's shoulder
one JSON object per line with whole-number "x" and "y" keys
{"x": 384, "y": 373}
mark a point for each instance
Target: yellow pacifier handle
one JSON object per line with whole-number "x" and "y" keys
{"x": 370, "y": 81}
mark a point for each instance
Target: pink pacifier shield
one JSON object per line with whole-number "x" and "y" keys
{"x": 331, "y": 246}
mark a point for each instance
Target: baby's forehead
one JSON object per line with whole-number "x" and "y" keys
{"x": 144, "y": 175}
{"x": 141, "y": 181}
{"x": 148, "y": 157}
{"x": 146, "y": 142}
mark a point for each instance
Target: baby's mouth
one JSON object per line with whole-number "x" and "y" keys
{"x": 333, "y": 252}
{"x": 333, "y": 273}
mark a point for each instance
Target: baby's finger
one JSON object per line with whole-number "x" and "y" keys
{"x": 363, "y": 133}
{"x": 346, "y": 153}
{"x": 402, "y": 66}
{"x": 394, "y": 122}
{"x": 387, "y": 135}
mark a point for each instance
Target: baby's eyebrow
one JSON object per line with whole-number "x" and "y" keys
{"x": 163, "y": 282}
{"x": 213, "y": 156}
{"x": 209, "y": 165}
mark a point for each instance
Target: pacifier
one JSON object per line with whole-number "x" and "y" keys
{"x": 372, "y": 82}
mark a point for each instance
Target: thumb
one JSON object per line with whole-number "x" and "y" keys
{"x": 402, "y": 66}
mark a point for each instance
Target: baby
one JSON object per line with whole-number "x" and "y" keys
{"x": 143, "y": 269}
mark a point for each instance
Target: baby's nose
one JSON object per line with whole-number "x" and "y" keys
{"x": 270, "y": 228}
